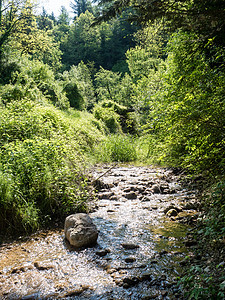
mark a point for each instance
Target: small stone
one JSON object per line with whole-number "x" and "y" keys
{"x": 172, "y": 207}
{"x": 164, "y": 293}
{"x": 130, "y": 281}
{"x": 131, "y": 195}
{"x": 154, "y": 261}
{"x": 156, "y": 189}
{"x": 107, "y": 195}
{"x": 146, "y": 276}
{"x": 163, "y": 277}
{"x": 154, "y": 207}
{"x": 111, "y": 270}
{"x": 129, "y": 246}
{"x": 76, "y": 291}
{"x": 130, "y": 259}
{"x": 42, "y": 266}
{"x": 146, "y": 199}
{"x": 102, "y": 252}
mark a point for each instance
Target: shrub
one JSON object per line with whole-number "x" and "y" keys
{"x": 42, "y": 154}
{"x": 109, "y": 117}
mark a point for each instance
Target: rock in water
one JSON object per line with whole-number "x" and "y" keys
{"x": 80, "y": 231}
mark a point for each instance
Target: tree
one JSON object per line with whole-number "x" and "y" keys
{"x": 205, "y": 17}
{"x": 11, "y": 15}
{"x": 44, "y": 21}
{"x": 27, "y": 39}
{"x": 105, "y": 44}
{"x": 82, "y": 43}
{"x": 80, "y": 7}
{"x": 80, "y": 75}
{"x": 107, "y": 84}
{"x": 149, "y": 51}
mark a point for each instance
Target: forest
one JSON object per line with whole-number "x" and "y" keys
{"x": 123, "y": 81}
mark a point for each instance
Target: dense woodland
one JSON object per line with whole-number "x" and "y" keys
{"x": 121, "y": 81}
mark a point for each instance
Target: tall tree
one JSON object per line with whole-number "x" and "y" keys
{"x": 11, "y": 14}
{"x": 44, "y": 21}
{"x": 80, "y": 7}
{"x": 206, "y": 17}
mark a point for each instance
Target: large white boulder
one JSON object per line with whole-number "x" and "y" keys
{"x": 80, "y": 231}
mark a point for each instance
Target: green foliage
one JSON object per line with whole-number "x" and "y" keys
{"x": 185, "y": 105}
{"x": 214, "y": 203}
{"x": 79, "y": 87}
{"x": 118, "y": 148}
{"x": 105, "y": 45}
{"x": 109, "y": 117}
{"x": 42, "y": 154}
{"x": 200, "y": 285}
{"x": 117, "y": 118}
{"x": 107, "y": 84}
{"x": 113, "y": 86}
{"x": 34, "y": 80}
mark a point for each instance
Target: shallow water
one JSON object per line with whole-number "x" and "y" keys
{"x": 130, "y": 210}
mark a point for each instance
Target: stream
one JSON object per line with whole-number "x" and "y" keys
{"x": 143, "y": 215}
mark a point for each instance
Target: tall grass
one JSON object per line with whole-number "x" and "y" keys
{"x": 43, "y": 152}
{"x": 118, "y": 147}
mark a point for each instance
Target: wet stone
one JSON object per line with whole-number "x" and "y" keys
{"x": 172, "y": 213}
{"x": 146, "y": 199}
{"x": 129, "y": 246}
{"x": 130, "y": 259}
{"x": 107, "y": 195}
{"x": 131, "y": 195}
{"x": 130, "y": 281}
{"x": 102, "y": 252}
{"x": 20, "y": 269}
{"x": 75, "y": 292}
{"x": 146, "y": 276}
{"x": 42, "y": 266}
{"x": 156, "y": 189}
{"x": 164, "y": 293}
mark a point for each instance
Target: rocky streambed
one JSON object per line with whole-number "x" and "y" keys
{"x": 144, "y": 217}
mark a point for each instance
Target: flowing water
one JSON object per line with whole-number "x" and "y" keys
{"x": 142, "y": 215}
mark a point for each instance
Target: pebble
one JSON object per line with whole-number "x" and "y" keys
{"x": 130, "y": 259}
{"x": 42, "y": 266}
{"x": 131, "y": 195}
{"x": 130, "y": 246}
{"x": 102, "y": 252}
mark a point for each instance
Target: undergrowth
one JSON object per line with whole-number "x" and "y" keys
{"x": 43, "y": 155}
{"x": 118, "y": 147}
{"x": 205, "y": 276}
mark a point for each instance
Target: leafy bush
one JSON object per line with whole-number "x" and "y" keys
{"x": 184, "y": 104}
{"x": 79, "y": 77}
{"x": 109, "y": 117}
{"x": 42, "y": 154}
{"x": 35, "y": 81}
{"x": 117, "y": 118}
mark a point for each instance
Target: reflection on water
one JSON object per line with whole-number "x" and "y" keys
{"x": 45, "y": 267}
